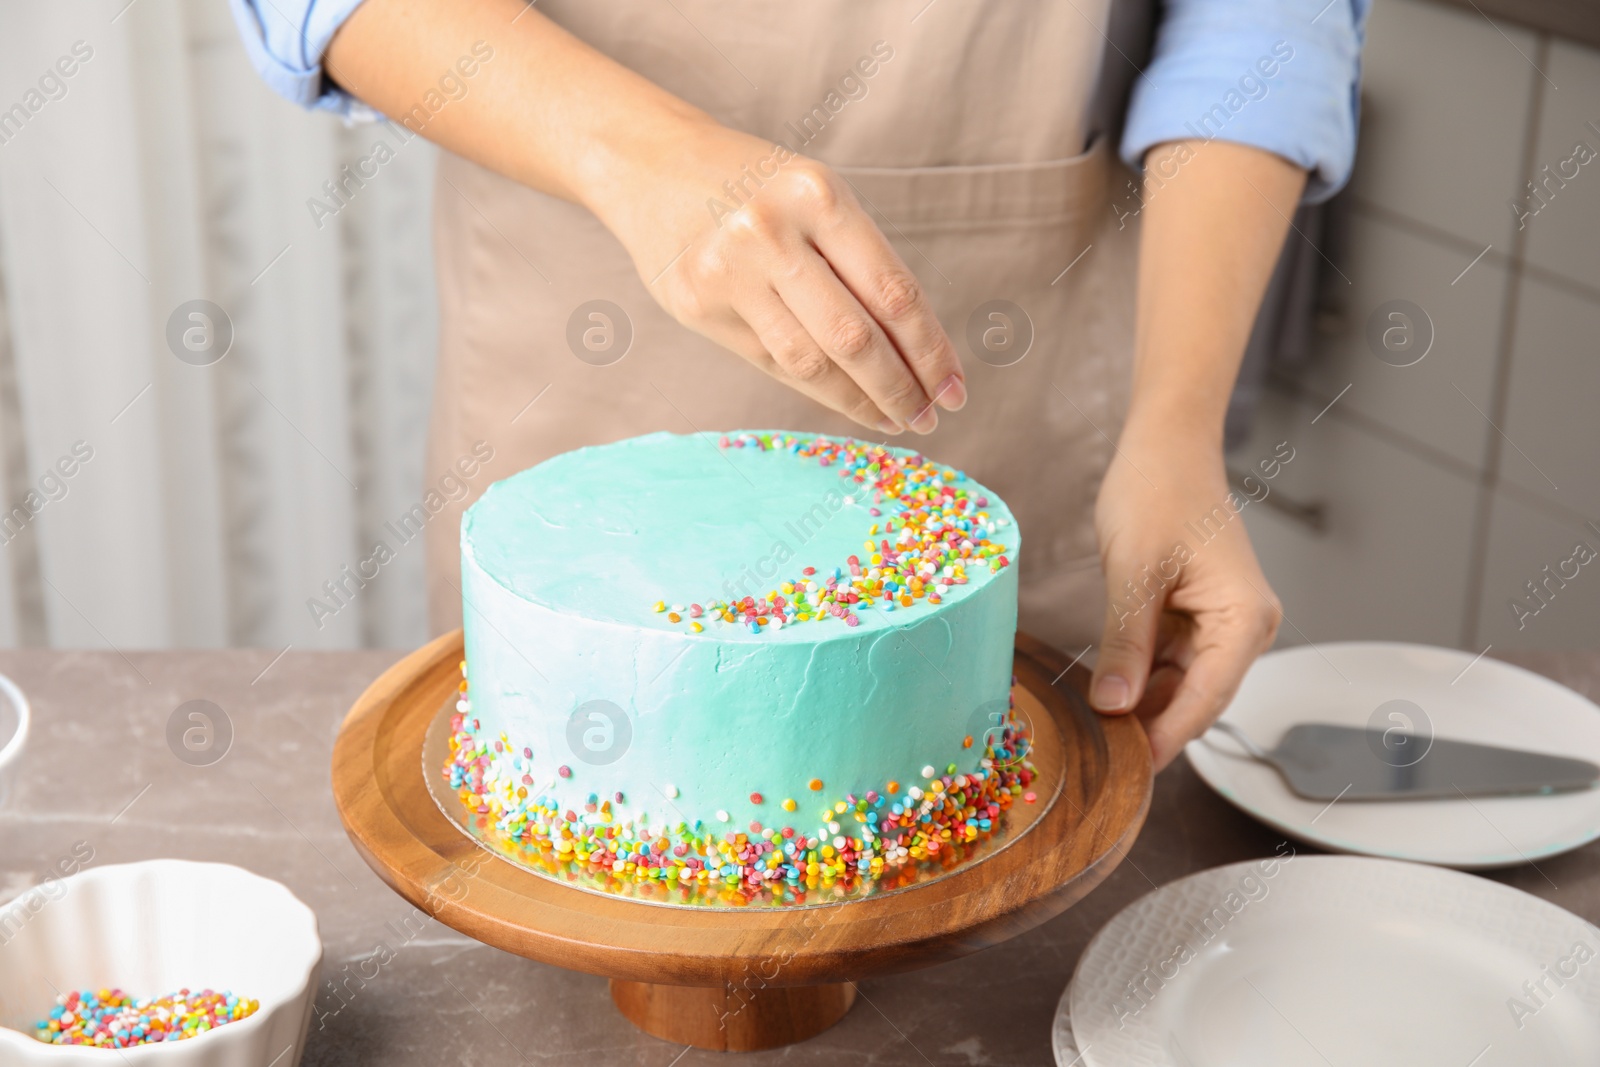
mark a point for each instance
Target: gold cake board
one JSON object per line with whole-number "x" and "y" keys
{"x": 741, "y": 979}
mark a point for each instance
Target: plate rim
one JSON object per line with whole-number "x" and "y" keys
{"x": 1423, "y": 870}
{"x": 1302, "y": 834}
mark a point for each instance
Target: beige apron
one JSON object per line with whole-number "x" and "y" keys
{"x": 967, "y": 143}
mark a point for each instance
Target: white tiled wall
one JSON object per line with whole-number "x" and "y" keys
{"x": 1444, "y": 110}
{"x": 1446, "y": 486}
{"x": 1524, "y": 541}
{"x": 1427, "y": 402}
{"x": 1388, "y": 564}
{"x": 1561, "y": 238}
{"x": 1553, "y": 395}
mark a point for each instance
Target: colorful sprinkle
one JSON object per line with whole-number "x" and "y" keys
{"x": 109, "y": 1018}
{"x": 564, "y": 771}
{"x": 861, "y": 844}
{"x": 939, "y": 531}
{"x": 755, "y": 798}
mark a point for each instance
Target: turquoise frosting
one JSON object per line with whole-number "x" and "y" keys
{"x": 562, "y": 565}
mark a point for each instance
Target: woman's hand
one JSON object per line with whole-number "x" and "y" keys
{"x": 769, "y": 254}
{"x": 789, "y": 272}
{"x": 1188, "y": 608}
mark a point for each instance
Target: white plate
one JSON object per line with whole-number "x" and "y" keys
{"x": 1492, "y": 702}
{"x": 1338, "y": 960}
{"x": 1062, "y": 1040}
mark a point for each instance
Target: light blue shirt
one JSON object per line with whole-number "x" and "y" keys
{"x": 1281, "y": 75}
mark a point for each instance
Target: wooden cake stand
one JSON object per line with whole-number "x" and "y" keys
{"x": 742, "y": 979}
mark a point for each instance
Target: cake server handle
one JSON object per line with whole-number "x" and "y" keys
{"x": 1255, "y": 750}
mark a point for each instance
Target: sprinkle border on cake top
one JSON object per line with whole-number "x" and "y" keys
{"x": 938, "y": 528}
{"x": 884, "y": 838}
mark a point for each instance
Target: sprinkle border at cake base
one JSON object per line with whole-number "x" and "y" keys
{"x": 889, "y": 838}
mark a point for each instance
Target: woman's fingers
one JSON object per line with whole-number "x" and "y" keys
{"x": 853, "y": 339}
{"x": 789, "y": 353}
{"x": 852, "y": 326}
{"x": 1226, "y": 643}
{"x": 880, "y": 281}
{"x": 1127, "y": 642}
{"x": 1163, "y": 684}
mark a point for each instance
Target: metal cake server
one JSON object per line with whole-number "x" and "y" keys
{"x": 1321, "y": 761}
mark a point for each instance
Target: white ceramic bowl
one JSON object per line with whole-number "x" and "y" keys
{"x": 14, "y": 718}
{"x": 151, "y": 928}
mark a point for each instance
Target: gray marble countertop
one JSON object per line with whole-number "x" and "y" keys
{"x": 97, "y": 768}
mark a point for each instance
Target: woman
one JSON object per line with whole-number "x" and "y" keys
{"x": 904, "y": 213}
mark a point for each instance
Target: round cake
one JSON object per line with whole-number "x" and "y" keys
{"x": 762, "y": 663}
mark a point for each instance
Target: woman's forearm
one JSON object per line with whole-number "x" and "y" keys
{"x": 1214, "y": 222}
{"x": 546, "y": 109}
{"x": 1186, "y": 615}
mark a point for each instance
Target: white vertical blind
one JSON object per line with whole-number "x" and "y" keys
{"x": 219, "y": 498}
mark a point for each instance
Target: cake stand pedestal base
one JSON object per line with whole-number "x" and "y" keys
{"x": 732, "y": 1018}
{"x": 753, "y": 977}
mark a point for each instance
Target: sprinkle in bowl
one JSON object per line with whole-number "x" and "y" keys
{"x": 151, "y": 929}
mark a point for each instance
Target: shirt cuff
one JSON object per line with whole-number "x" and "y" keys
{"x": 1274, "y": 78}
{"x": 286, "y": 39}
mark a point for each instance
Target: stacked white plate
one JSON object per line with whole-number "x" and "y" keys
{"x": 1335, "y": 960}
{"x": 1321, "y": 960}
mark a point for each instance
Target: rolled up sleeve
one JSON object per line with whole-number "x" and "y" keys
{"x": 1280, "y": 75}
{"x": 286, "y": 40}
